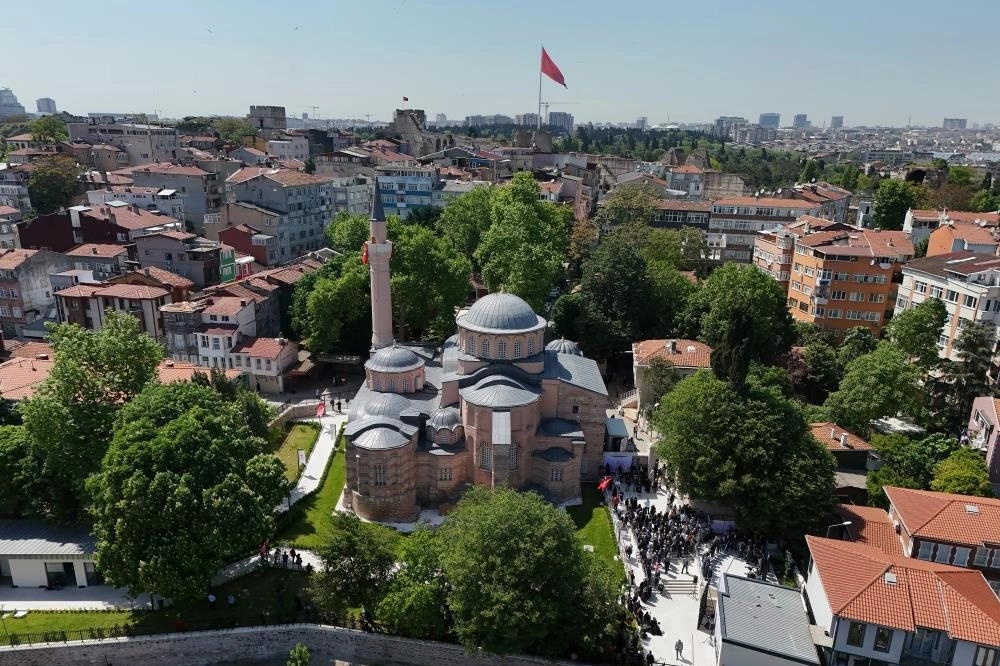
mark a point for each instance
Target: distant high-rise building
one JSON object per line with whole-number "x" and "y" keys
{"x": 800, "y": 121}
{"x": 769, "y": 120}
{"x": 642, "y": 122}
{"x": 561, "y": 120}
{"x": 725, "y": 125}
{"x": 526, "y": 119}
{"x": 9, "y": 106}
{"x": 954, "y": 123}
{"x": 440, "y": 118}
{"x": 836, "y": 122}
{"x": 305, "y": 116}
{"x": 46, "y": 105}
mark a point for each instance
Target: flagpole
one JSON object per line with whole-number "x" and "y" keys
{"x": 540, "y": 95}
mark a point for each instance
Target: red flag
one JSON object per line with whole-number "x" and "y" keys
{"x": 321, "y": 409}
{"x": 364, "y": 255}
{"x": 603, "y": 485}
{"x": 406, "y": 99}
{"x": 550, "y": 70}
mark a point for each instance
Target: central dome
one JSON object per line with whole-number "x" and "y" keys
{"x": 394, "y": 359}
{"x": 501, "y": 312}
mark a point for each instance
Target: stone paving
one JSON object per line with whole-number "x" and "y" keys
{"x": 312, "y": 474}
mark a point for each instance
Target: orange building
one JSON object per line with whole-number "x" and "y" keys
{"x": 773, "y": 250}
{"x": 955, "y": 236}
{"x": 846, "y": 278}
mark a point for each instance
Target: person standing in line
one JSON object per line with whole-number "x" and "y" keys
{"x": 679, "y": 649}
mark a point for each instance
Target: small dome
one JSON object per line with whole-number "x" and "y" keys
{"x": 446, "y": 417}
{"x": 387, "y": 404}
{"x": 564, "y": 346}
{"x": 501, "y": 313}
{"x": 394, "y": 359}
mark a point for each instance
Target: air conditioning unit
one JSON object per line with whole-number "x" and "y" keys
{"x": 823, "y": 282}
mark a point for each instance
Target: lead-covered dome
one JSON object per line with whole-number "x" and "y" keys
{"x": 564, "y": 346}
{"x": 501, "y": 313}
{"x": 387, "y": 404}
{"x": 445, "y": 417}
{"x": 394, "y": 359}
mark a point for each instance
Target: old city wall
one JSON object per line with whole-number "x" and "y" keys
{"x": 205, "y": 648}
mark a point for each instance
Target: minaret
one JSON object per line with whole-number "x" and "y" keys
{"x": 377, "y": 253}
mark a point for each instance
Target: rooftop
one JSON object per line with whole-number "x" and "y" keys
{"x": 993, "y": 219}
{"x": 770, "y": 202}
{"x": 945, "y": 517}
{"x": 225, "y": 305}
{"x": 23, "y": 538}
{"x": 765, "y": 617}
{"x": 685, "y": 354}
{"x": 132, "y": 291}
{"x": 261, "y": 347}
{"x": 835, "y": 438}
{"x": 954, "y": 264}
{"x": 105, "y": 250}
{"x": 499, "y": 313}
{"x": 871, "y": 526}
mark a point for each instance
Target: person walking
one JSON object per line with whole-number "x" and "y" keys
{"x": 679, "y": 649}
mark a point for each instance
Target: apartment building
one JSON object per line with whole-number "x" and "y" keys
{"x": 773, "y": 250}
{"x": 251, "y": 241}
{"x": 202, "y": 191}
{"x": 967, "y": 283}
{"x": 305, "y": 203}
{"x": 87, "y": 304}
{"x": 686, "y": 178}
{"x": 114, "y": 223}
{"x": 834, "y": 202}
{"x": 957, "y": 236}
{"x": 289, "y": 147}
{"x": 9, "y": 217}
{"x": 202, "y": 261}
{"x": 101, "y": 156}
{"x": 983, "y": 432}
{"x": 404, "y": 188}
{"x": 678, "y": 213}
{"x": 919, "y": 223}
{"x": 103, "y": 260}
{"x": 735, "y": 222}
{"x": 163, "y": 201}
{"x": 14, "y": 187}
{"x": 842, "y": 279}
{"x": 25, "y": 290}
{"x": 143, "y": 143}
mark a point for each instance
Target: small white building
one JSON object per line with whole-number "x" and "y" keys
{"x": 33, "y": 554}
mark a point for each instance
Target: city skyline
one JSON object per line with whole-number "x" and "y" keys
{"x": 322, "y": 60}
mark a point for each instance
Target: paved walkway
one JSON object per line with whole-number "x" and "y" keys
{"x": 312, "y": 474}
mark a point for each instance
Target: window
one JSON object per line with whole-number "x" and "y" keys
{"x": 213, "y": 318}
{"x": 796, "y": 286}
{"x": 861, "y": 277}
{"x": 267, "y": 364}
{"x": 239, "y": 361}
{"x": 807, "y": 290}
{"x": 982, "y": 557}
{"x": 502, "y": 349}
{"x": 843, "y": 277}
{"x": 257, "y": 363}
{"x": 961, "y": 556}
{"x": 515, "y": 450}
{"x": 876, "y": 298}
{"x": 833, "y": 313}
{"x": 883, "y": 638}
{"x": 857, "y": 296}
{"x": 406, "y": 385}
{"x": 576, "y": 409}
{"x": 531, "y": 345}
{"x": 810, "y": 271}
{"x": 204, "y": 341}
{"x": 853, "y": 314}
{"x": 16, "y": 312}
{"x": 943, "y": 554}
{"x": 920, "y": 287}
{"x": 926, "y": 548}
{"x": 391, "y": 386}
{"x": 838, "y": 295}
{"x": 486, "y": 348}
{"x": 470, "y": 345}
{"x": 951, "y": 296}
{"x": 804, "y": 306}
{"x": 986, "y": 656}
{"x": 378, "y": 384}
{"x": 797, "y": 268}
{"x": 215, "y": 343}
{"x": 936, "y": 292}
{"x": 556, "y": 474}
{"x": 856, "y": 634}
{"x": 517, "y": 349}
{"x": 444, "y": 474}
{"x": 485, "y": 456}
{"x": 4, "y": 311}
{"x": 970, "y": 301}
{"x": 378, "y": 471}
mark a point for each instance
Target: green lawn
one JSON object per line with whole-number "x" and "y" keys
{"x": 299, "y": 436}
{"x": 269, "y": 591}
{"x": 593, "y": 524}
{"x": 307, "y": 524}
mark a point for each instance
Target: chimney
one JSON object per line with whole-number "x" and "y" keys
{"x": 146, "y": 270}
{"x": 42, "y": 357}
{"x": 672, "y": 346}
{"x": 93, "y": 250}
{"x": 833, "y": 433}
{"x": 169, "y": 364}
{"x": 843, "y": 440}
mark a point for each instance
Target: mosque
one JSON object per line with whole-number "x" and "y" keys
{"x": 494, "y": 406}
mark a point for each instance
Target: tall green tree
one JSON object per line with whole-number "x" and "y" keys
{"x": 876, "y": 385}
{"x": 753, "y": 452}
{"x": 415, "y": 603}
{"x": 916, "y": 331}
{"x": 963, "y": 473}
{"x": 466, "y": 219}
{"x": 821, "y": 373}
{"x": 348, "y": 232}
{"x": 14, "y": 452}
{"x": 685, "y": 248}
{"x": 48, "y": 130}
{"x": 515, "y": 570}
{"x": 53, "y": 182}
{"x": 892, "y": 199}
{"x": 671, "y": 292}
{"x": 629, "y": 203}
{"x": 337, "y": 303}
{"x": 184, "y": 488}
{"x": 858, "y": 341}
{"x": 232, "y": 130}
{"x": 906, "y": 463}
{"x": 661, "y": 376}
{"x": 69, "y": 420}
{"x": 968, "y": 377}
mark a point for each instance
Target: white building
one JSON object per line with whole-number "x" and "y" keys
{"x": 143, "y": 143}
{"x": 920, "y": 223}
{"x": 289, "y": 147}
{"x": 735, "y": 222}
{"x": 167, "y": 202}
{"x": 33, "y": 554}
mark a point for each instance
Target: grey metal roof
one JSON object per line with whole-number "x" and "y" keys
{"x": 499, "y": 391}
{"x": 501, "y": 428}
{"x": 554, "y": 454}
{"x": 445, "y": 417}
{"x": 387, "y": 404}
{"x": 557, "y": 427}
{"x": 500, "y": 313}
{"x": 564, "y": 346}
{"x": 394, "y": 359}
{"x": 616, "y": 427}
{"x": 576, "y": 370}
{"x": 766, "y": 617}
{"x": 32, "y": 538}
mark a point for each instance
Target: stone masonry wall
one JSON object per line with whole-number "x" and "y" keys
{"x": 211, "y": 647}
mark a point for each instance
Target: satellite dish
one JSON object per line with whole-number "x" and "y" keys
{"x": 779, "y": 191}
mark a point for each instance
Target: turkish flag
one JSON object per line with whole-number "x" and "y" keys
{"x": 603, "y": 485}
{"x": 364, "y": 254}
{"x": 550, "y": 70}
{"x": 406, "y": 99}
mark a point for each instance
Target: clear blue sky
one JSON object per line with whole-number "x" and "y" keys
{"x": 873, "y": 61}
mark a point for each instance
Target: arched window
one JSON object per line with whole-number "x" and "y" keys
{"x": 485, "y": 456}
{"x": 378, "y": 384}
{"x": 471, "y": 345}
{"x": 502, "y": 349}
{"x": 444, "y": 437}
{"x": 531, "y": 345}
{"x": 406, "y": 385}
{"x": 515, "y": 452}
{"x": 379, "y": 474}
{"x": 392, "y": 386}
{"x": 486, "y": 348}
{"x": 517, "y": 348}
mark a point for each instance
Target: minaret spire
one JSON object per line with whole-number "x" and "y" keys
{"x": 378, "y": 251}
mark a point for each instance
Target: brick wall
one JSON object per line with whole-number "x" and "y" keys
{"x": 212, "y": 647}
{"x": 294, "y": 413}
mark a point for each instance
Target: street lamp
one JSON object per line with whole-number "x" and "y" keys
{"x": 843, "y": 524}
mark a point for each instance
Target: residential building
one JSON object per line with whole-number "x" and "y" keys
{"x": 188, "y": 255}
{"x": 87, "y": 305}
{"x": 800, "y": 121}
{"x": 719, "y": 185}
{"x": 21, "y": 141}
{"x": 849, "y": 450}
{"x": 753, "y": 135}
{"x": 686, "y": 178}
{"x": 843, "y": 279}
{"x": 9, "y": 217}
{"x": 982, "y": 434}
{"x": 401, "y": 189}
{"x": 686, "y": 356}
{"x": 837, "y": 122}
{"x": 115, "y": 223}
{"x": 888, "y": 156}
{"x": 951, "y": 529}
{"x": 954, "y": 123}
{"x": 526, "y": 119}
{"x": 202, "y": 191}
{"x": 769, "y": 120}
{"x": 143, "y": 143}
{"x": 289, "y": 147}
{"x": 735, "y": 222}
{"x": 920, "y": 223}
{"x": 249, "y": 155}
{"x": 9, "y": 106}
{"x": 165, "y": 202}
{"x": 268, "y": 120}
{"x": 773, "y": 250}
{"x": 679, "y": 213}
{"x": 25, "y": 291}
{"x": 101, "y": 157}
{"x": 969, "y": 286}
{"x": 305, "y": 203}
{"x": 102, "y": 259}
{"x": 958, "y": 236}
{"x": 834, "y": 202}
{"x": 874, "y": 607}
{"x": 46, "y": 105}
{"x": 14, "y": 187}
{"x": 757, "y": 622}
{"x": 250, "y": 241}
{"x": 561, "y": 120}
{"x": 180, "y": 287}
{"x": 266, "y": 361}
{"x": 724, "y": 125}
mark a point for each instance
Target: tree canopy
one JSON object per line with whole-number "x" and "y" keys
{"x": 892, "y": 199}
{"x": 915, "y": 331}
{"x": 48, "y": 130}
{"x": 465, "y": 220}
{"x": 53, "y": 182}
{"x": 629, "y": 204}
{"x": 906, "y": 463}
{"x": 184, "y": 487}
{"x": 963, "y": 473}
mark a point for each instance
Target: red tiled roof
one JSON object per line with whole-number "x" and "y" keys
{"x": 8, "y": 210}
{"x": 225, "y": 305}
{"x": 968, "y": 232}
{"x": 132, "y": 291}
{"x": 925, "y": 594}
{"x": 829, "y": 434}
{"x": 80, "y": 290}
{"x": 686, "y": 168}
{"x": 33, "y": 350}
{"x": 770, "y": 202}
{"x": 164, "y": 167}
{"x": 217, "y": 329}
{"x": 164, "y": 276}
{"x": 945, "y": 517}
{"x": 170, "y": 372}
{"x": 12, "y": 258}
{"x": 689, "y": 354}
{"x": 173, "y": 233}
{"x": 991, "y": 219}
{"x": 260, "y": 347}
{"x": 20, "y": 376}
{"x": 872, "y": 526}
{"x": 105, "y": 250}
{"x": 129, "y": 217}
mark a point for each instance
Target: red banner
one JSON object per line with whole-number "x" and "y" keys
{"x": 321, "y": 409}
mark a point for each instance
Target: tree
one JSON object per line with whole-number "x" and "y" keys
{"x": 424, "y": 216}
{"x": 753, "y": 452}
{"x": 48, "y": 130}
{"x": 876, "y": 385}
{"x": 256, "y": 411}
{"x": 732, "y": 354}
{"x": 523, "y": 249}
{"x": 309, "y": 166}
{"x": 685, "y": 248}
{"x": 299, "y": 656}
{"x": 906, "y": 463}
{"x": 661, "y": 376}
{"x": 735, "y": 288}
{"x": 348, "y": 232}
{"x": 822, "y": 372}
{"x": 465, "y": 219}
{"x": 13, "y": 453}
{"x": 232, "y": 130}
{"x": 892, "y": 199}
{"x": 810, "y": 171}
{"x": 968, "y": 377}
{"x": 333, "y": 307}
{"x": 984, "y": 201}
{"x": 416, "y": 601}
{"x": 358, "y": 562}
{"x": 184, "y": 487}
{"x": 671, "y": 292}
{"x": 920, "y": 247}
{"x": 53, "y": 182}
{"x": 916, "y": 331}
{"x": 567, "y": 316}
{"x": 858, "y": 341}
{"x": 630, "y": 203}
{"x": 69, "y": 420}
{"x": 582, "y": 239}
{"x": 515, "y": 570}
{"x": 963, "y": 473}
